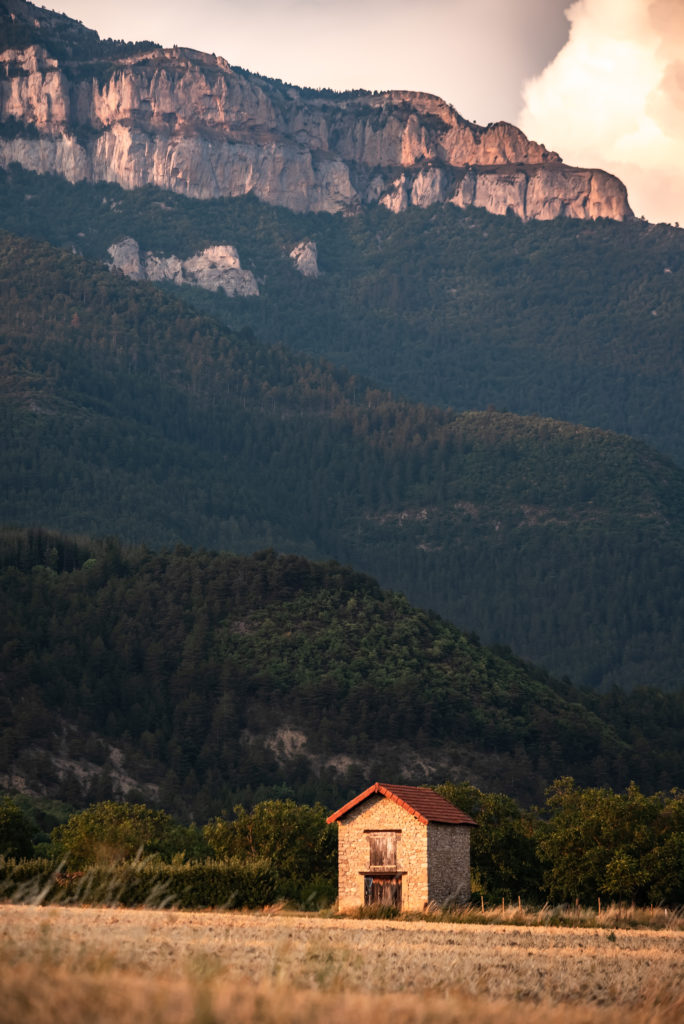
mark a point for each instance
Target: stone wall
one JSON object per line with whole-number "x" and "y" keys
{"x": 435, "y": 858}
{"x": 448, "y": 862}
{"x": 377, "y": 813}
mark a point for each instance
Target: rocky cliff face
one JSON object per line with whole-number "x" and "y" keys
{"x": 213, "y": 268}
{"x": 188, "y": 122}
{"x": 304, "y": 257}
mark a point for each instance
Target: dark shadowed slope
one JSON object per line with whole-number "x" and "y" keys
{"x": 223, "y": 678}
{"x": 124, "y": 412}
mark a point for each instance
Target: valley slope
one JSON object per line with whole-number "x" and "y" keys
{"x": 166, "y": 414}
{"x": 125, "y": 412}
{"x": 198, "y": 680}
{"x": 579, "y": 322}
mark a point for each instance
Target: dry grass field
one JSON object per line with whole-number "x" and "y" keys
{"x": 66, "y": 965}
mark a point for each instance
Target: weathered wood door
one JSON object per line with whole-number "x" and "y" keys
{"x": 383, "y": 890}
{"x": 382, "y": 850}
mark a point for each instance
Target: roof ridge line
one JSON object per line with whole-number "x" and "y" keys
{"x": 454, "y": 815}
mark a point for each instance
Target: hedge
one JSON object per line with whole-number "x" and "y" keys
{"x": 228, "y": 883}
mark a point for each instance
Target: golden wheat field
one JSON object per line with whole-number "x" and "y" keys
{"x": 77, "y": 965}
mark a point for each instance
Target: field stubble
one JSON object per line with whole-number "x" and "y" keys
{"x": 76, "y": 965}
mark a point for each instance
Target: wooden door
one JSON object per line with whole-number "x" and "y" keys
{"x": 382, "y": 852}
{"x": 383, "y": 890}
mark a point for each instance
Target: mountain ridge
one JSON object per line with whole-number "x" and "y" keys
{"x": 192, "y": 124}
{"x": 199, "y": 679}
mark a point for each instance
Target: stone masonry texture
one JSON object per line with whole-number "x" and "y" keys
{"x": 435, "y": 858}
{"x": 448, "y": 862}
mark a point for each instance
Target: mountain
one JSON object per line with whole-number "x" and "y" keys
{"x": 578, "y": 322}
{"x": 198, "y": 679}
{"x": 125, "y": 412}
{"x": 190, "y": 123}
{"x": 150, "y": 412}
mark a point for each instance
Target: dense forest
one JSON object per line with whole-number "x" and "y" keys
{"x": 221, "y": 679}
{"x": 573, "y": 320}
{"x": 125, "y": 412}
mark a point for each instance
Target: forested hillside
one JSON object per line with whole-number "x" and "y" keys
{"x": 580, "y": 322}
{"x": 126, "y": 413}
{"x": 202, "y": 679}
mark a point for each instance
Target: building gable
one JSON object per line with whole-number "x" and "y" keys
{"x": 423, "y": 803}
{"x": 402, "y": 845}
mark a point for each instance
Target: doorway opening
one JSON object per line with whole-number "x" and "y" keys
{"x": 382, "y": 891}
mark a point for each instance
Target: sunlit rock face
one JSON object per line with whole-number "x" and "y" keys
{"x": 217, "y": 267}
{"x": 305, "y": 258}
{"x": 188, "y": 122}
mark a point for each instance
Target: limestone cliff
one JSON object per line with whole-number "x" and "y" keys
{"x": 213, "y": 268}
{"x": 191, "y": 123}
{"x": 304, "y": 256}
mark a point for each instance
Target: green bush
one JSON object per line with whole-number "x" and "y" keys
{"x": 619, "y": 846}
{"x": 503, "y": 852}
{"x": 24, "y": 881}
{"x": 15, "y": 830}
{"x": 231, "y": 883}
{"x": 109, "y": 832}
{"x": 294, "y": 837}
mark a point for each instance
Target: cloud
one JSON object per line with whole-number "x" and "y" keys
{"x": 613, "y": 97}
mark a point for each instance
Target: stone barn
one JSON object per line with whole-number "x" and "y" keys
{"x": 402, "y": 846}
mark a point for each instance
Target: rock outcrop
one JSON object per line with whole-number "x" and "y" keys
{"x": 213, "y": 268}
{"x": 305, "y": 258}
{"x": 189, "y": 122}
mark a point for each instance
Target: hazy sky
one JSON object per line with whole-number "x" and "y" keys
{"x": 600, "y": 81}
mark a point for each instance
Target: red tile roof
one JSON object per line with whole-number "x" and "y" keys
{"x": 424, "y": 804}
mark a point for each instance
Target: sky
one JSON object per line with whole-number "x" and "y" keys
{"x": 601, "y": 82}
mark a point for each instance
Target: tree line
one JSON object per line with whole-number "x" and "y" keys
{"x": 581, "y": 846}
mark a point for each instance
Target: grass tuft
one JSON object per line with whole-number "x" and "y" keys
{"x": 614, "y": 915}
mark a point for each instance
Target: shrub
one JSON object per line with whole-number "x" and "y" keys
{"x": 109, "y": 833}
{"x": 16, "y": 839}
{"x": 24, "y": 881}
{"x": 230, "y": 883}
{"x": 295, "y": 838}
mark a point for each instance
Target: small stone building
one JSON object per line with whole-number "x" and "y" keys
{"x": 402, "y": 846}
